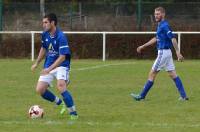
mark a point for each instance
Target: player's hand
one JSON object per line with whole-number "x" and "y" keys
{"x": 33, "y": 67}
{"x": 45, "y": 71}
{"x": 179, "y": 56}
{"x": 139, "y": 49}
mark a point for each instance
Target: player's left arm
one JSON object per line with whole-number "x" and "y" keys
{"x": 178, "y": 54}
{"x": 174, "y": 42}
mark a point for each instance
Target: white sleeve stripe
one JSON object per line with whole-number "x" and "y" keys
{"x": 169, "y": 32}
{"x": 64, "y": 47}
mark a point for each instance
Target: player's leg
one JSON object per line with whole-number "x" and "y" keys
{"x": 67, "y": 97}
{"x": 179, "y": 84}
{"x": 147, "y": 86}
{"x": 62, "y": 79}
{"x": 149, "y": 83}
{"x": 158, "y": 64}
{"x": 170, "y": 68}
{"x": 42, "y": 89}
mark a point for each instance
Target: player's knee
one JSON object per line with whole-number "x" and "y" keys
{"x": 172, "y": 74}
{"x": 41, "y": 87}
{"x": 61, "y": 86}
{"x": 39, "y": 90}
{"x": 152, "y": 75}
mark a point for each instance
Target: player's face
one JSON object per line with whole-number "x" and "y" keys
{"x": 158, "y": 15}
{"x": 46, "y": 24}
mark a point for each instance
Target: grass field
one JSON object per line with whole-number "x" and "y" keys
{"x": 101, "y": 92}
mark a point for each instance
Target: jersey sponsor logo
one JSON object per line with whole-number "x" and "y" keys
{"x": 51, "y": 50}
{"x": 50, "y": 47}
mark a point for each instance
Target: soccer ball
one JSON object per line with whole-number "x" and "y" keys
{"x": 36, "y": 111}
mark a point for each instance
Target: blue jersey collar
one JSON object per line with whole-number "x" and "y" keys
{"x": 55, "y": 34}
{"x": 162, "y": 21}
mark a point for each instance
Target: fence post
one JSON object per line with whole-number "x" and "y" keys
{"x": 179, "y": 41}
{"x": 139, "y": 14}
{"x": 42, "y": 8}
{"x": 104, "y": 46}
{"x": 32, "y": 45}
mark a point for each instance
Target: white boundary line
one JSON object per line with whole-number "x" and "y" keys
{"x": 91, "y": 123}
{"x": 101, "y": 66}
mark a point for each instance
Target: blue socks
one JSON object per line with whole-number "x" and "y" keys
{"x": 177, "y": 81}
{"x": 67, "y": 98}
{"x": 69, "y": 102}
{"x": 146, "y": 88}
{"x": 48, "y": 95}
{"x": 180, "y": 87}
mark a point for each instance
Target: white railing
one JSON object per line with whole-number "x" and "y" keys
{"x": 179, "y": 33}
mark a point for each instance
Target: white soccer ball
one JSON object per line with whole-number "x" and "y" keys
{"x": 36, "y": 111}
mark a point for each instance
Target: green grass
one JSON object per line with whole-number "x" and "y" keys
{"x": 101, "y": 92}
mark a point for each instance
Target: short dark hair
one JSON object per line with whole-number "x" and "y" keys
{"x": 51, "y": 17}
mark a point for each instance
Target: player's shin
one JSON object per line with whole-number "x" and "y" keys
{"x": 180, "y": 87}
{"x": 69, "y": 102}
{"x": 48, "y": 95}
{"x": 146, "y": 88}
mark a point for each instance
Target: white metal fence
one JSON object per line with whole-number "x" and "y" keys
{"x": 32, "y": 33}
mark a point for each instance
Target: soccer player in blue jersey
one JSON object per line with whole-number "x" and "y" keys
{"x": 164, "y": 39}
{"x": 55, "y": 50}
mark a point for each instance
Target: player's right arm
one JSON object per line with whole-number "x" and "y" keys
{"x": 39, "y": 58}
{"x": 150, "y": 42}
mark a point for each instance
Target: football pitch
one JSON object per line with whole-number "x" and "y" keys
{"x": 101, "y": 91}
